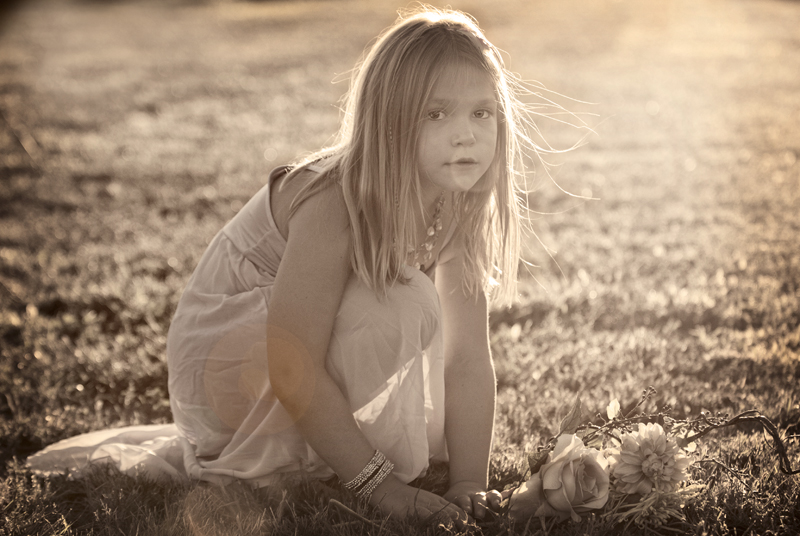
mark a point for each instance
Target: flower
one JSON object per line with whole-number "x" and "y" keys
{"x": 573, "y": 480}
{"x": 648, "y": 459}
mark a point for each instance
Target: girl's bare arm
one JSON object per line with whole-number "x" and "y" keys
{"x": 308, "y": 289}
{"x": 469, "y": 385}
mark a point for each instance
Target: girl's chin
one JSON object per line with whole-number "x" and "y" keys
{"x": 462, "y": 182}
{"x": 456, "y": 182}
{"x": 456, "y": 188}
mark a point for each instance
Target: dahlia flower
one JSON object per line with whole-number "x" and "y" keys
{"x": 648, "y": 459}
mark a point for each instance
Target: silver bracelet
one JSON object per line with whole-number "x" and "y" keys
{"x": 371, "y": 468}
{"x": 378, "y": 477}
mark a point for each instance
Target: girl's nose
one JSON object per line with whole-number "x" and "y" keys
{"x": 462, "y": 133}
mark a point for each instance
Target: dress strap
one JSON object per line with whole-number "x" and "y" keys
{"x": 282, "y": 170}
{"x": 315, "y": 168}
{"x": 277, "y": 172}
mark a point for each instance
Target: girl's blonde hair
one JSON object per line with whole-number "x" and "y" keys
{"x": 375, "y": 154}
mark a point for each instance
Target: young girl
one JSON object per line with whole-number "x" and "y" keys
{"x": 338, "y": 324}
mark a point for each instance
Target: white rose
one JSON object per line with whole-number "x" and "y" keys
{"x": 573, "y": 480}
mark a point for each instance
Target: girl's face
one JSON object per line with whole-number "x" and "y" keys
{"x": 459, "y": 130}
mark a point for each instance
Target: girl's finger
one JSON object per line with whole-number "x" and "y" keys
{"x": 493, "y": 498}
{"x": 463, "y": 502}
{"x": 449, "y": 515}
{"x": 479, "y": 511}
{"x": 479, "y": 505}
{"x": 460, "y": 513}
{"x": 448, "y": 509}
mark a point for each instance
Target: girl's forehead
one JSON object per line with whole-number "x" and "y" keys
{"x": 463, "y": 82}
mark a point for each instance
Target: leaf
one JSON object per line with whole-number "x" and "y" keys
{"x": 571, "y": 422}
{"x": 686, "y": 445}
{"x": 537, "y": 459}
{"x": 613, "y": 409}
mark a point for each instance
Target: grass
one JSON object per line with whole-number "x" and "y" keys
{"x": 131, "y": 132}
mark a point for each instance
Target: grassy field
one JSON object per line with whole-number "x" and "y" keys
{"x": 132, "y": 132}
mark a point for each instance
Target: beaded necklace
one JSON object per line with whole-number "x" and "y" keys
{"x": 424, "y": 252}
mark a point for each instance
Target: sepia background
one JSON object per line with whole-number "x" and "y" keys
{"x": 663, "y": 249}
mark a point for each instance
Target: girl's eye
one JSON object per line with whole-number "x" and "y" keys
{"x": 436, "y": 115}
{"x": 483, "y": 114}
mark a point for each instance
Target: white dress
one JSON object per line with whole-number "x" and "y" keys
{"x": 385, "y": 356}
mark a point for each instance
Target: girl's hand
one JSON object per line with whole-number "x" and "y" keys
{"x": 471, "y": 497}
{"x": 394, "y": 498}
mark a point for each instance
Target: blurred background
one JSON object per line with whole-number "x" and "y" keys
{"x": 695, "y": 105}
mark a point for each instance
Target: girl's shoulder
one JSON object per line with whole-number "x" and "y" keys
{"x": 327, "y": 204}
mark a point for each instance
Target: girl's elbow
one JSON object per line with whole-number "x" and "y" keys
{"x": 476, "y": 369}
{"x": 292, "y": 374}
{"x": 469, "y": 359}
{"x": 292, "y": 384}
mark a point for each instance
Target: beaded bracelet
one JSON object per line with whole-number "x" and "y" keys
{"x": 370, "y": 476}
{"x": 374, "y": 464}
{"x": 378, "y": 478}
